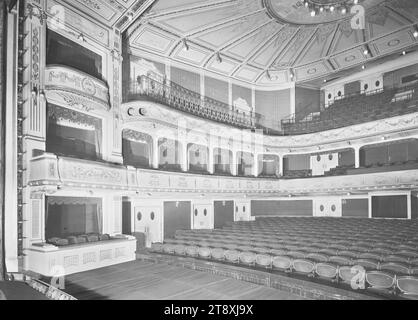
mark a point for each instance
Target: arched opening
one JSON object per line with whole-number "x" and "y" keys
{"x": 136, "y": 149}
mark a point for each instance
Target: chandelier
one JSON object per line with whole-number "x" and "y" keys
{"x": 317, "y": 7}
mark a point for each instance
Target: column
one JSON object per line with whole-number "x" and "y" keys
{"x": 256, "y": 165}
{"x": 155, "y": 153}
{"x": 357, "y": 156}
{"x": 184, "y": 156}
{"x": 281, "y": 165}
{"x": 234, "y": 170}
{"x": 211, "y": 168}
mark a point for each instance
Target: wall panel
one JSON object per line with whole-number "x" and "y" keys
{"x": 303, "y": 208}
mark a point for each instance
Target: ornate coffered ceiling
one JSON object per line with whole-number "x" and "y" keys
{"x": 265, "y": 42}
{"x": 112, "y": 13}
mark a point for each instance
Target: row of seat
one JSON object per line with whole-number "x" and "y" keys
{"x": 386, "y": 277}
{"x": 327, "y": 248}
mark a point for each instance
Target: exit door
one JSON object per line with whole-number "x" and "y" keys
{"x": 148, "y": 220}
{"x": 202, "y": 216}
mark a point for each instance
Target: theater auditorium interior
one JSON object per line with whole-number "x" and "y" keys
{"x": 209, "y": 149}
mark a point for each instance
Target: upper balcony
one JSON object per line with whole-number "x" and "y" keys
{"x": 355, "y": 109}
{"x": 177, "y": 97}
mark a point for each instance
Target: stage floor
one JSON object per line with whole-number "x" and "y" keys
{"x": 141, "y": 280}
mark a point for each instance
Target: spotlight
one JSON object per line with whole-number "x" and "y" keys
{"x": 130, "y": 16}
{"x": 355, "y": 1}
{"x": 415, "y": 34}
{"x": 321, "y": 9}
{"x": 313, "y": 13}
{"x": 363, "y": 67}
{"x": 81, "y": 37}
{"x": 332, "y": 8}
{"x": 343, "y": 11}
{"x": 366, "y": 52}
{"x": 403, "y": 53}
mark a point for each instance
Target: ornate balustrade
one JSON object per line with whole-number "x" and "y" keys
{"x": 50, "y": 171}
{"x": 180, "y": 98}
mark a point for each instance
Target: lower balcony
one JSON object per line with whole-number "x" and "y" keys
{"x": 51, "y": 171}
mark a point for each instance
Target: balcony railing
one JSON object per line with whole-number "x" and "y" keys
{"x": 182, "y": 99}
{"x": 355, "y": 109}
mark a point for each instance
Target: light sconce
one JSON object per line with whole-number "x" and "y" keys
{"x": 130, "y": 16}
{"x": 81, "y": 37}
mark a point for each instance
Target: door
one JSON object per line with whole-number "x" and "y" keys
{"x": 202, "y": 216}
{"x": 148, "y": 220}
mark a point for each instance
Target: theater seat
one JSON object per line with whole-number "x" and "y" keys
{"x": 396, "y": 258}
{"x": 157, "y": 247}
{"x": 180, "y": 249}
{"x": 282, "y": 263}
{"x": 192, "y": 251}
{"x": 327, "y": 270}
{"x": 304, "y": 266}
{"x": 380, "y": 280}
{"x": 367, "y": 264}
{"x": 168, "y": 248}
{"x": 232, "y": 256}
{"x": 264, "y": 260}
{"x": 317, "y": 257}
{"x": 204, "y": 252}
{"x": 408, "y": 286}
{"x": 247, "y": 258}
{"x": 341, "y": 261}
{"x": 218, "y": 253}
{"x": 396, "y": 268}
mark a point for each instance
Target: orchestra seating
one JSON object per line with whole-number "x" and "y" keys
{"x": 356, "y": 109}
{"x": 323, "y": 249}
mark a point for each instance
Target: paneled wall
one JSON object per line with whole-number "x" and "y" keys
{"x": 398, "y": 77}
{"x": 273, "y": 105}
{"x": 297, "y": 162}
{"x": 239, "y": 92}
{"x": 186, "y": 79}
{"x": 414, "y": 206}
{"x": 302, "y": 208}
{"x": 223, "y": 213}
{"x": 390, "y": 207}
{"x": 352, "y": 88}
{"x": 355, "y": 208}
{"x": 216, "y": 89}
{"x": 389, "y": 152}
{"x": 177, "y": 216}
{"x": 307, "y": 100}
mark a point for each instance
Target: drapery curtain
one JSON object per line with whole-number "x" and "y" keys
{"x": 198, "y": 157}
{"x": 71, "y": 133}
{"x": 66, "y": 216}
{"x": 137, "y": 148}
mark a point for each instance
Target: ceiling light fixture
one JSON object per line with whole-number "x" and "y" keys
{"x": 316, "y": 7}
{"x": 185, "y": 45}
{"x": 415, "y": 34}
{"x": 218, "y": 57}
{"x": 130, "y": 16}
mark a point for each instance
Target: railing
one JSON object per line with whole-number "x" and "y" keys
{"x": 180, "y": 98}
{"x": 364, "y": 107}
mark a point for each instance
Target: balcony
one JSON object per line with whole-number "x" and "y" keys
{"x": 355, "y": 109}
{"x": 75, "y": 88}
{"x": 48, "y": 170}
{"x": 182, "y": 99}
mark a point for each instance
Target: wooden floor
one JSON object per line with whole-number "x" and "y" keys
{"x": 140, "y": 280}
{"x": 18, "y": 291}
